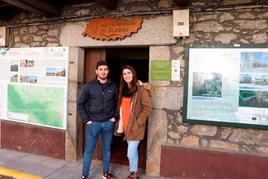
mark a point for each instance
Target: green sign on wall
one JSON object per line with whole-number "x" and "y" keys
{"x": 161, "y": 70}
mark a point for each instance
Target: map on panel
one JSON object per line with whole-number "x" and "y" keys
{"x": 35, "y": 104}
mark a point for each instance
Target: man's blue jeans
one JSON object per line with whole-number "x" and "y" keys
{"x": 93, "y": 130}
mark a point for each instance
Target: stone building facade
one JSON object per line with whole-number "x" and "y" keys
{"x": 209, "y": 24}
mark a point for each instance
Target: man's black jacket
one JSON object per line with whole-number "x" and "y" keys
{"x": 98, "y": 102}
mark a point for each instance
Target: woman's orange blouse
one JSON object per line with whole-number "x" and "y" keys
{"x": 126, "y": 109}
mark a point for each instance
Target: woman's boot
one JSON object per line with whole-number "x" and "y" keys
{"x": 133, "y": 175}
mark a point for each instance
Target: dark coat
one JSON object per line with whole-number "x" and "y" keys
{"x": 98, "y": 102}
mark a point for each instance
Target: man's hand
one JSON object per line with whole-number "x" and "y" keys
{"x": 89, "y": 122}
{"x": 113, "y": 119}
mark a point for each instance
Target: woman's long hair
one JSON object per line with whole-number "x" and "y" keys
{"x": 123, "y": 84}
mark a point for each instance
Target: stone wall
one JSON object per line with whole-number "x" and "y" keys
{"x": 31, "y": 30}
{"x": 36, "y": 36}
{"x": 248, "y": 26}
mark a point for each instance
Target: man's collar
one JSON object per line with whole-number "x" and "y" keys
{"x": 101, "y": 82}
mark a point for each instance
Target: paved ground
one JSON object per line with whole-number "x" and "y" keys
{"x": 51, "y": 168}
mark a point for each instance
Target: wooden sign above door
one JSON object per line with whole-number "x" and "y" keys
{"x": 112, "y": 28}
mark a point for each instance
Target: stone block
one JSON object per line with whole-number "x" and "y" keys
{"x": 165, "y": 3}
{"x": 251, "y": 24}
{"x": 17, "y": 39}
{"x": 182, "y": 129}
{"x": 23, "y": 30}
{"x": 203, "y": 130}
{"x": 53, "y": 32}
{"x": 260, "y": 38}
{"x": 76, "y": 64}
{"x": 37, "y": 38}
{"x": 35, "y": 44}
{"x": 82, "y": 12}
{"x": 159, "y": 53}
{"x": 167, "y": 98}
{"x": 210, "y": 26}
{"x": 157, "y": 133}
{"x": 225, "y": 133}
{"x": 249, "y": 137}
{"x": 53, "y": 44}
{"x": 174, "y": 135}
{"x": 226, "y": 38}
{"x": 265, "y": 14}
{"x": 263, "y": 150}
{"x": 159, "y": 83}
{"x": 33, "y": 29}
{"x": 223, "y": 145}
{"x": 178, "y": 50}
{"x": 71, "y": 133}
{"x": 207, "y": 17}
{"x": 72, "y": 92}
{"x": 226, "y": 16}
{"x": 190, "y": 141}
{"x": 27, "y": 38}
{"x": 246, "y": 15}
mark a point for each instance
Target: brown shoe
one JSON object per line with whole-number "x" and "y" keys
{"x": 133, "y": 175}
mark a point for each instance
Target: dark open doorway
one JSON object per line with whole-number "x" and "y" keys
{"x": 139, "y": 59}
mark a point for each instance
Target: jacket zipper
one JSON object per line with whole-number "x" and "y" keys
{"x": 102, "y": 101}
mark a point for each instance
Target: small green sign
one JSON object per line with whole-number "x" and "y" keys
{"x": 161, "y": 70}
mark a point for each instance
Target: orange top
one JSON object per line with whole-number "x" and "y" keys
{"x": 125, "y": 107}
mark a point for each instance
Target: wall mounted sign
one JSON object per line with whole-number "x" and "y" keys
{"x": 161, "y": 70}
{"x": 227, "y": 86}
{"x": 112, "y": 28}
{"x": 33, "y": 85}
{"x": 175, "y": 70}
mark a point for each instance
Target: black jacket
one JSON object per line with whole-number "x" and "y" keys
{"x": 98, "y": 102}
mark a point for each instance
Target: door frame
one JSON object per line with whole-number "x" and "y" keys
{"x": 92, "y": 55}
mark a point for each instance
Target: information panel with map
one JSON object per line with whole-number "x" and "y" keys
{"x": 227, "y": 86}
{"x": 33, "y": 85}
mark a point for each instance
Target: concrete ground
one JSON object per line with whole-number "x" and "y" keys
{"x": 51, "y": 168}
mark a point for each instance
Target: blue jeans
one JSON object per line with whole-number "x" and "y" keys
{"x": 93, "y": 130}
{"x": 132, "y": 154}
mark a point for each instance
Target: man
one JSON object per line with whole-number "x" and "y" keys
{"x": 97, "y": 106}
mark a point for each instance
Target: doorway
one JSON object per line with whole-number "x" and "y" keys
{"x": 139, "y": 59}
{"x": 116, "y": 58}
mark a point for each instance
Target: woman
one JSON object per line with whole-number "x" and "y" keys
{"x": 135, "y": 107}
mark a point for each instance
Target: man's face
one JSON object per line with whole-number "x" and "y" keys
{"x": 102, "y": 72}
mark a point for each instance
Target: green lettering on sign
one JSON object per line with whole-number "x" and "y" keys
{"x": 3, "y": 52}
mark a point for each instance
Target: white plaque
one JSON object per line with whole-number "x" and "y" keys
{"x": 175, "y": 70}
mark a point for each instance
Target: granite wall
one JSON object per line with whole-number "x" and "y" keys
{"x": 211, "y": 22}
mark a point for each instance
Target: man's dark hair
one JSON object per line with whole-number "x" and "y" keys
{"x": 100, "y": 63}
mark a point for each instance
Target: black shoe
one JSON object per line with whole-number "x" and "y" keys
{"x": 108, "y": 176}
{"x": 84, "y": 177}
{"x": 133, "y": 175}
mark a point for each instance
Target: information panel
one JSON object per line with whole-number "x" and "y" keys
{"x": 227, "y": 86}
{"x": 33, "y": 85}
